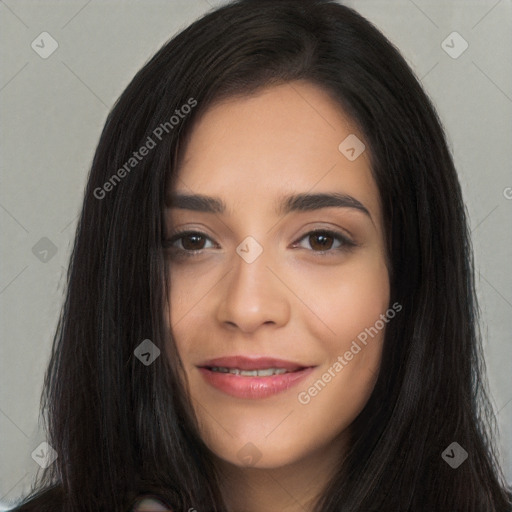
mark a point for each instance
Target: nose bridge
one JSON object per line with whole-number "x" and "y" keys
{"x": 253, "y": 295}
{"x": 251, "y": 264}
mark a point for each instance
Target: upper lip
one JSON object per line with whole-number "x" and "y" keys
{"x": 251, "y": 363}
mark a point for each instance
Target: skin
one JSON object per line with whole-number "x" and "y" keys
{"x": 291, "y": 302}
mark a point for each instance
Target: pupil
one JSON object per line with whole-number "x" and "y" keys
{"x": 188, "y": 238}
{"x": 322, "y": 245}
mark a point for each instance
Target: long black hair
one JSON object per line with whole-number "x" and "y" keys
{"x": 122, "y": 428}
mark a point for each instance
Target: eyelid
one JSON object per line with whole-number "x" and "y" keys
{"x": 346, "y": 242}
{"x": 167, "y": 243}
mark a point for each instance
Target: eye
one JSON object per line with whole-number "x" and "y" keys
{"x": 321, "y": 241}
{"x": 192, "y": 242}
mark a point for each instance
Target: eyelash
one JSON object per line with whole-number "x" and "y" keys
{"x": 347, "y": 244}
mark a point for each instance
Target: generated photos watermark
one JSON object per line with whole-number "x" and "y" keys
{"x": 304, "y": 397}
{"x": 137, "y": 156}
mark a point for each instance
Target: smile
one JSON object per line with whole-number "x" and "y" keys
{"x": 252, "y": 378}
{"x": 250, "y": 373}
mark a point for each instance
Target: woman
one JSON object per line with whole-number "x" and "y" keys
{"x": 271, "y": 302}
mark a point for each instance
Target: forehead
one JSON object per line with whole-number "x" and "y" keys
{"x": 284, "y": 139}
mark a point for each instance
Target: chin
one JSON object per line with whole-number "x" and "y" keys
{"x": 259, "y": 452}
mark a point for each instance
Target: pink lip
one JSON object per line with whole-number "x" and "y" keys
{"x": 253, "y": 387}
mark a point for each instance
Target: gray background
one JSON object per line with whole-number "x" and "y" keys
{"x": 53, "y": 110}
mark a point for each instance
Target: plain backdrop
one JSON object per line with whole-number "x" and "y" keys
{"x": 54, "y": 108}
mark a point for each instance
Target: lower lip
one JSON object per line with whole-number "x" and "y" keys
{"x": 253, "y": 387}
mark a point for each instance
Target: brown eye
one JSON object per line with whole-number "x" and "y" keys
{"x": 191, "y": 242}
{"x": 321, "y": 241}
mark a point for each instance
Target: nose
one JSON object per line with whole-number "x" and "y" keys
{"x": 253, "y": 294}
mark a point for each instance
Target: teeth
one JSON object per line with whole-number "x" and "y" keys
{"x": 267, "y": 372}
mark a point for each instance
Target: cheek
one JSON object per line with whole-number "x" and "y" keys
{"x": 352, "y": 307}
{"x": 188, "y": 316}
{"x": 345, "y": 301}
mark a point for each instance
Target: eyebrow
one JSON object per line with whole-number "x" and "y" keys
{"x": 287, "y": 204}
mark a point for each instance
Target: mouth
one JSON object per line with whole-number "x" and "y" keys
{"x": 266, "y": 372}
{"x": 252, "y": 378}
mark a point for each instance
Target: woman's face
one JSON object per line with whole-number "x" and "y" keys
{"x": 262, "y": 286}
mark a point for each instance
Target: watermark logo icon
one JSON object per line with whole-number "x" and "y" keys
{"x": 249, "y": 454}
{"x": 44, "y": 45}
{"x": 454, "y": 455}
{"x": 249, "y": 249}
{"x": 351, "y": 147}
{"x": 44, "y": 455}
{"x": 454, "y": 45}
{"x": 44, "y": 250}
{"x": 146, "y": 352}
